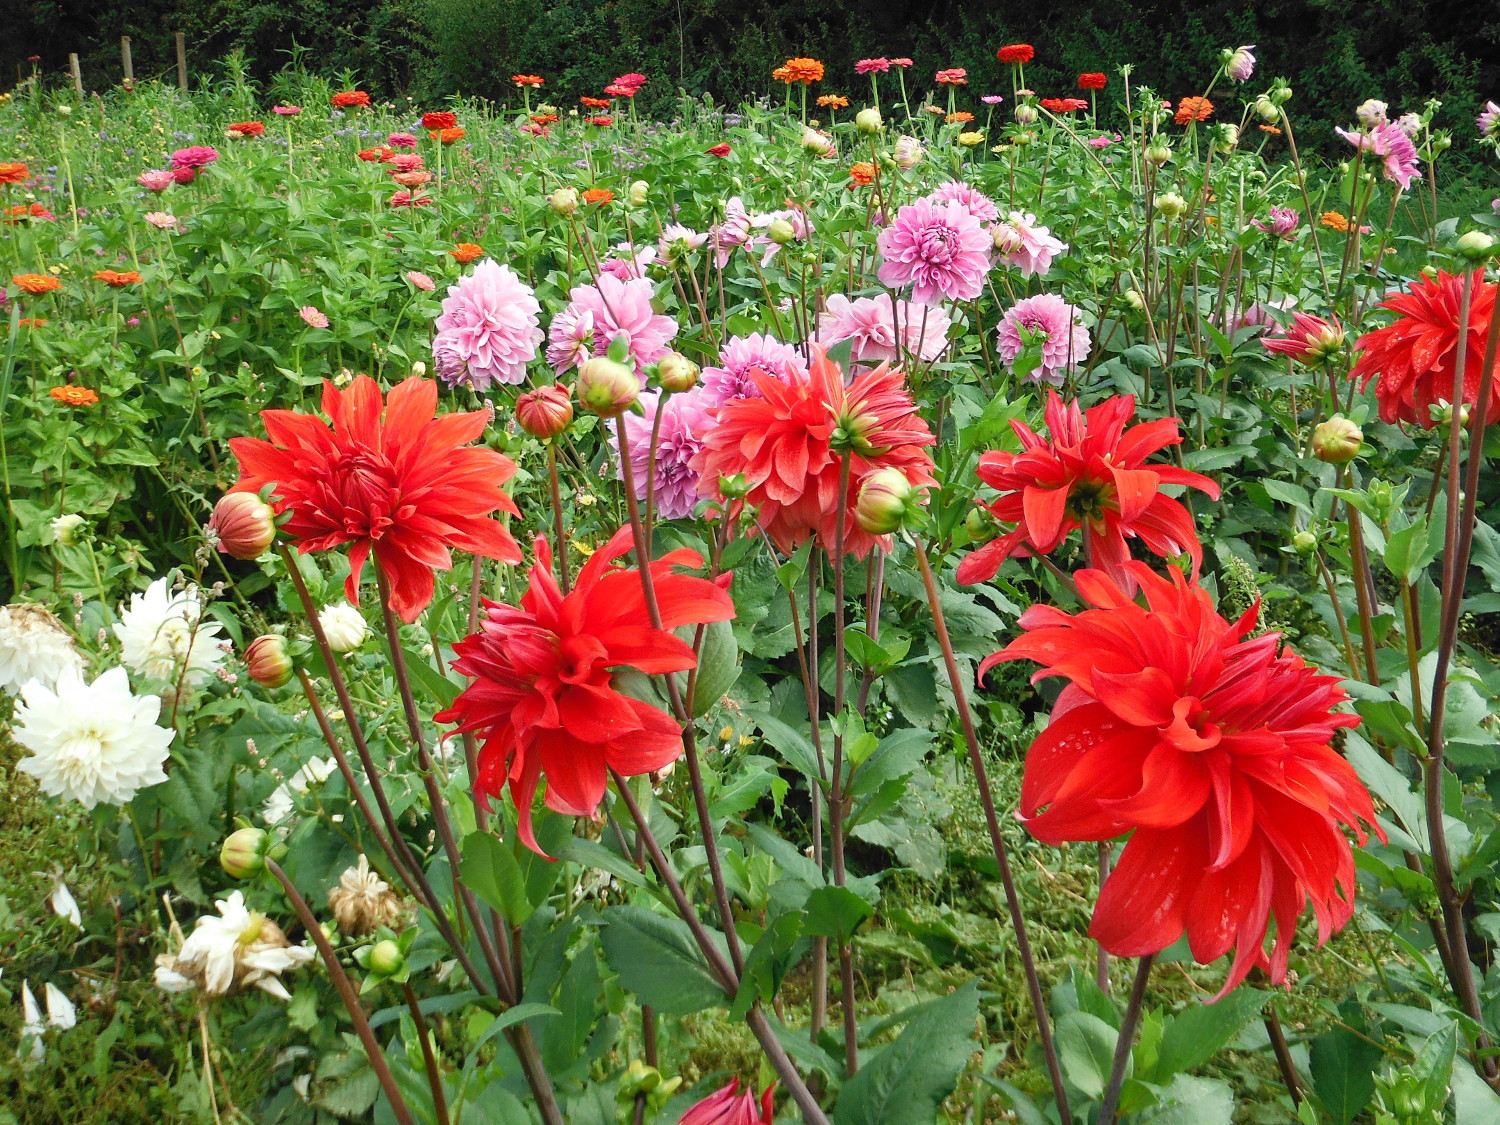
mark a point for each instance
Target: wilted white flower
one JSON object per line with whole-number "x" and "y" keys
{"x": 344, "y": 626}
{"x": 31, "y": 1026}
{"x": 237, "y": 949}
{"x": 94, "y": 743}
{"x": 280, "y": 803}
{"x": 65, "y": 905}
{"x": 363, "y": 901}
{"x": 33, "y": 646}
{"x": 163, "y": 631}
{"x": 64, "y": 528}
{"x": 60, "y": 1011}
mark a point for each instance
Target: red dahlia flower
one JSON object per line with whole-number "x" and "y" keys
{"x": 1212, "y": 748}
{"x": 1412, "y": 361}
{"x": 1090, "y": 473}
{"x": 391, "y": 478}
{"x": 542, "y": 699}
{"x": 789, "y": 443}
{"x": 1016, "y": 53}
{"x": 729, "y": 1106}
{"x": 438, "y": 120}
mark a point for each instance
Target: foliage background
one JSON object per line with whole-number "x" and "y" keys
{"x": 1335, "y": 53}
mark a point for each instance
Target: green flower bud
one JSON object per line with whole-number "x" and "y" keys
{"x": 268, "y": 662}
{"x": 386, "y": 958}
{"x": 677, "y": 373}
{"x": 243, "y": 853}
{"x": 607, "y": 388}
{"x": 868, "y": 120}
{"x": 1336, "y": 441}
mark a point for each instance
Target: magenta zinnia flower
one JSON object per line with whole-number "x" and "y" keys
{"x": 1022, "y": 243}
{"x": 286, "y": 110}
{"x": 871, "y": 322}
{"x": 402, "y": 140}
{"x": 872, "y": 66}
{"x": 1394, "y": 148}
{"x": 1065, "y": 341}
{"x": 684, "y": 421}
{"x": 975, "y": 202}
{"x": 937, "y": 248}
{"x": 739, "y": 357}
{"x": 615, "y": 306}
{"x": 489, "y": 323}
{"x": 199, "y": 156}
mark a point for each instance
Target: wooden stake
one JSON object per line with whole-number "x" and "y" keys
{"x": 182, "y": 77}
{"x": 76, "y": 71}
{"x": 125, "y": 58}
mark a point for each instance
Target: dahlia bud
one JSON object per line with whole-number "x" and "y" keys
{"x": 419, "y": 369}
{"x": 781, "y": 232}
{"x": 606, "y": 387}
{"x": 1158, "y": 153}
{"x": 907, "y": 153}
{"x": 1007, "y": 239}
{"x": 545, "y": 412}
{"x": 1226, "y": 137}
{"x": 735, "y": 487}
{"x": 868, "y": 120}
{"x": 563, "y": 201}
{"x": 243, "y": 853}
{"x": 1281, "y": 93}
{"x": 886, "y": 500}
{"x": 1134, "y": 299}
{"x": 1266, "y": 109}
{"x": 242, "y": 525}
{"x": 65, "y": 111}
{"x": 637, "y": 192}
{"x": 1027, "y": 114}
{"x": 816, "y": 143}
{"x": 65, "y": 529}
{"x": 1441, "y": 142}
{"x": 268, "y": 661}
{"x": 1442, "y": 413}
{"x": 1171, "y": 205}
{"x": 677, "y": 373}
{"x": 343, "y": 626}
{"x": 1475, "y": 245}
{"x": 386, "y": 958}
{"x": 1305, "y": 542}
{"x": 1337, "y": 440}
{"x": 980, "y": 525}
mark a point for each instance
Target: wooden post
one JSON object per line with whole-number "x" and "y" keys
{"x": 125, "y": 58}
{"x": 77, "y": 73}
{"x": 182, "y": 83}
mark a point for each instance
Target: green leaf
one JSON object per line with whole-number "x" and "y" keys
{"x": 835, "y": 912}
{"x": 1343, "y": 1072}
{"x": 907, "y": 1081}
{"x": 790, "y": 743}
{"x": 491, "y": 869}
{"x": 1434, "y": 1066}
{"x": 1408, "y": 551}
{"x": 509, "y": 1018}
{"x": 1287, "y": 493}
{"x": 657, "y": 959}
{"x": 1086, "y": 1050}
{"x": 432, "y": 1004}
{"x": 591, "y": 853}
{"x": 1190, "y": 1101}
{"x": 1196, "y": 1034}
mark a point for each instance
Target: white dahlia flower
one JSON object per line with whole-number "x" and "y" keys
{"x": 163, "y": 629}
{"x": 344, "y": 626}
{"x": 237, "y": 949}
{"x": 33, "y": 646}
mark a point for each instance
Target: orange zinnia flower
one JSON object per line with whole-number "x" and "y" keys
{"x": 598, "y": 195}
{"x": 1334, "y": 221}
{"x": 32, "y": 321}
{"x": 1193, "y": 109}
{"x": 595, "y": 103}
{"x": 14, "y": 173}
{"x": 1275, "y": 132}
{"x": 862, "y": 173}
{"x": 544, "y": 118}
{"x": 74, "y": 396}
{"x": 526, "y": 79}
{"x": 959, "y": 118}
{"x": 833, "y": 101}
{"x": 246, "y": 129}
{"x": 36, "y": 283}
{"x": 805, "y": 71}
{"x": 351, "y": 99}
{"x": 25, "y": 211}
{"x": 447, "y": 136}
{"x": 466, "y": 252}
{"x": 117, "y": 280}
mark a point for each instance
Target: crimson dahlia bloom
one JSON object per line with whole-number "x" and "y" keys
{"x": 542, "y": 700}
{"x": 387, "y": 477}
{"x": 1090, "y": 472}
{"x": 789, "y": 442}
{"x": 1412, "y": 361}
{"x": 1209, "y": 745}
{"x": 730, "y": 1107}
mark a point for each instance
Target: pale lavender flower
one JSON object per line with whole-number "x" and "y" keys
{"x": 684, "y": 421}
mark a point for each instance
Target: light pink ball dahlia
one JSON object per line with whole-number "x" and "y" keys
{"x": 614, "y": 306}
{"x": 488, "y": 331}
{"x": 975, "y": 201}
{"x": 872, "y": 323}
{"x": 1049, "y": 320}
{"x": 937, "y": 248}
{"x": 1022, "y": 242}
{"x": 738, "y": 356}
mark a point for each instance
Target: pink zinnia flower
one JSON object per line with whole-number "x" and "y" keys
{"x": 313, "y": 317}
{"x": 421, "y": 281}
{"x": 1022, "y": 243}
{"x": 992, "y": 99}
{"x": 734, "y": 231}
{"x": 1065, "y": 341}
{"x": 402, "y": 140}
{"x": 902, "y": 63}
{"x": 184, "y": 175}
{"x": 1489, "y": 121}
{"x": 684, "y": 421}
{"x": 155, "y": 181}
{"x": 872, "y": 66}
{"x": 939, "y": 249}
{"x": 161, "y": 220}
{"x": 975, "y": 201}
{"x": 730, "y": 1107}
{"x": 199, "y": 156}
{"x": 489, "y": 321}
{"x": 1241, "y": 64}
{"x": 1284, "y": 222}
{"x": 286, "y": 110}
{"x": 739, "y": 357}
{"x": 617, "y": 306}
{"x": 405, "y": 198}
{"x": 405, "y": 162}
{"x": 1393, "y": 147}
{"x": 535, "y": 130}
{"x": 957, "y": 76}
{"x": 871, "y": 322}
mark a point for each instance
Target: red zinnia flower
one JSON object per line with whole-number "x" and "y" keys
{"x": 14, "y": 173}
{"x": 602, "y": 120}
{"x": 1212, "y": 747}
{"x": 720, "y": 149}
{"x": 1016, "y": 53}
{"x": 448, "y": 136}
{"x": 441, "y": 119}
{"x": 542, "y": 698}
{"x": 351, "y": 98}
{"x": 393, "y": 478}
{"x": 789, "y": 443}
{"x": 1092, "y": 81}
{"x": 526, "y": 79}
{"x": 377, "y": 155}
{"x": 246, "y": 129}
{"x": 730, "y": 1107}
{"x": 1064, "y": 105}
{"x": 1412, "y": 361}
{"x": 1090, "y": 474}
{"x": 598, "y": 195}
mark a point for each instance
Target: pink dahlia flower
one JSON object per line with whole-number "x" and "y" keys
{"x": 1049, "y": 320}
{"x": 615, "y": 306}
{"x": 155, "y": 181}
{"x": 489, "y": 321}
{"x": 628, "y": 262}
{"x": 872, "y": 66}
{"x": 1284, "y": 222}
{"x": 421, "y": 281}
{"x": 1241, "y": 64}
{"x": 733, "y": 232}
{"x": 872, "y": 323}
{"x": 677, "y": 240}
{"x": 1022, "y": 242}
{"x": 313, "y": 316}
{"x": 684, "y": 421}
{"x": 199, "y": 156}
{"x": 1371, "y": 112}
{"x": 1489, "y": 121}
{"x": 1393, "y": 147}
{"x": 975, "y": 202}
{"x": 937, "y": 248}
{"x": 738, "y": 357}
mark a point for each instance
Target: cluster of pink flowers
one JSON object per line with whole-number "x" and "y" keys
{"x": 488, "y": 331}
{"x": 1390, "y": 143}
{"x": 286, "y": 110}
{"x": 597, "y": 313}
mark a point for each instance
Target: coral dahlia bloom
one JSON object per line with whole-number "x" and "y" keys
{"x": 1412, "y": 361}
{"x": 1395, "y": 150}
{"x": 789, "y": 443}
{"x": 938, "y": 248}
{"x": 490, "y": 321}
{"x": 1212, "y": 748}
{"x": 389, "y": 477}
{"x": 542, "y": 700}
{"x": 1090, "y": 472}
{"x": 1193, "y": 108}
{"x": 36, "y": 283}
{"x": 1092, "y": 81}
{"x": 1046, "y": 317}
{"x": 1016, "y": 53}
{"x": 350, "y": 99}
{"x": 439, "y": 120}
{"x": 731, "y": 1107}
